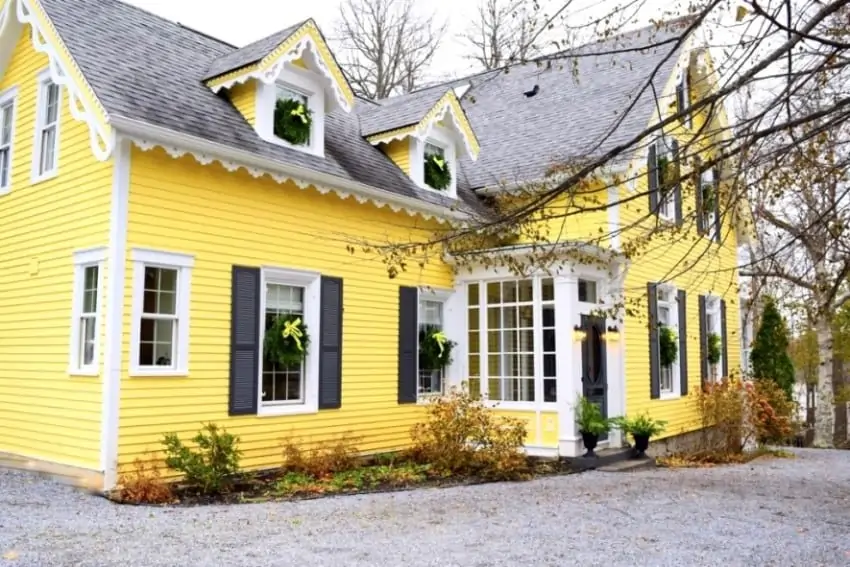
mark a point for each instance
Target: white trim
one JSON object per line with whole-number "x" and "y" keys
{"x": 312, "y": 284}
{"x": 9, "y": 95}
{"x": 44, "y": 79}
{"x": 111, "y": 390}
{"x": 712, "y": 308}
{"x": 182, "y": 263}
{"x": 146, "y": 137}
{"x": 443, "y": 297}
{"x": 301, "y": 81}
{"x": 84, "y": 259}
{"x": 672, "y": 304}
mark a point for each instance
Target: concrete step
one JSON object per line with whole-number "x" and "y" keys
{"x": 604, "y": 457}
{"x": 629, "y": 465}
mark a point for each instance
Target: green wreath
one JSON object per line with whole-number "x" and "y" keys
{"x": 667, "y": 348}
{"x": 292, "y": 121}
{"x": 437, "y": 172}
{"x": 713, "y": 348}
{"x": 435, "y": 350}
{"x": 286, "y": 341}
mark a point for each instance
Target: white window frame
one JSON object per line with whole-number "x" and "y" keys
{"x": 44, "y": 79}
{"x": 440, "y": 137}
{"x": 312, "y": 284}
{"x": 183, "y": 263}
{"x": 441, "y": 297}
{"x": 302, "y": 81}
{"x": 682, "y": 79}
{"x": 8, "y": 98}
{"x": 712, "y": 309}
{"x": 667, "y": 207}
{"x": 707, "y": 178}
{"x": 84, "y": 259}
{"x": 668, "y": 297}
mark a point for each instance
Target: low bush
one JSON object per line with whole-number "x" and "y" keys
{"x": 321, "y": 460}
{"x": 209, "y": 467}
{"x": 352, "y": 480}
{"x": 142, "y": 483}
{"x": 461, "y": 435}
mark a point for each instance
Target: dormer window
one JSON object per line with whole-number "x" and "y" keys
{"x": 664, "y": 176}
{"x": 293, "y": 118}
{"x": 437, "y": 171}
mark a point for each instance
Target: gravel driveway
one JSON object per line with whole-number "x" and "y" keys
{"x": 772, "y": 512}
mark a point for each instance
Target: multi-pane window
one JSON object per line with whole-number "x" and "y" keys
{"x": 48, "y": 127}
{"x": 430, "y": 321}
{"x": 667, "y": 318}
{"x": 708, "y": 203}
{"x": 667, "y": 173}
{"x": 88, "y": 317}
{"x": 159, "y": 320}
{"x": 587, "y": 291}
{"x": 503, "y": 329}
{"x": 714, "y": 329}
{"x": 282, "y": 384}
{"x": 7, "y": 117}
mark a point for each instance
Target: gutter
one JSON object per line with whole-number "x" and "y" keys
{"x": 193, "y": 144}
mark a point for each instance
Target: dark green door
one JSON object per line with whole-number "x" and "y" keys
{"x": 594, "y": 377}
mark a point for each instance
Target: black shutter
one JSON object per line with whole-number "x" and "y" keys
{"x": 698, "y": 200}
{"x": 717, "y": 222}
{"x": 652, "y": 178}
{"x": 683, "y": 342}
{"x": 703, "y": 342}
{"x": 408, "y": 344}
{"x": 677, "y": 190}
{"x": 330, "y": 344}
{"x": 723, "y": 342}
{"x": 244, "y": 340}
{"x": 654, "y": 362}
{"x": 681, "y": 101}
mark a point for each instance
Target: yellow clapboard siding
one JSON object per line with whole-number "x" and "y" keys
{"x": 232, "y": 218}
{"x": 399, "y": 152}
{"x": 44, "y": 412}
{"x": 244, "y": 97}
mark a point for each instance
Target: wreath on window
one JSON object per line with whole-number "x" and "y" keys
{"x": 709, "y": 195}
{"x": 286, "y": 341}
{"x": 437, "y": 172}
{"x": 665, "y": 174}
{"x": 713, "y": 348}
{"x": 668, "y": 349}
{"x": 292, "y": 121}
{"x": 435, "y": 350}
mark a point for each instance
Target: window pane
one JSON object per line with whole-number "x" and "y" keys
{"x": 4, "y": 167}
{"x": 284, "y": 93}
{"x": 549, "y": 316}
{"x": 509, "y": 292}
{"x": 587, "y": 291}
{"x": 526, "y": 316}
{"x": 472, "y": 294}
{"x": 6, "y": 129}
{"x": 433, "y": 149}
{"x": 474, "y": 319}
{"x": 475, "y": 387}
{"x": 52, "y": 103}
{"x": 48, "y": 147}
{"x": 549, "y": 340}
{"x": 525, "y": 290}
{"x": 90, "y": 290}
{"x": 550, "y": 390}
{"x": 87, "y": 340}
{"x": 494, "y": 293}
{"x": 548, "y": 289}
{"x": 156, "y": 347}
{"x": 431, "y": 313}
{"x": 160, "y": 295}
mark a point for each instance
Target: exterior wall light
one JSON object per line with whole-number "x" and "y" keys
{"x": 612, "y": 335}
{"x": 579, "y": 334}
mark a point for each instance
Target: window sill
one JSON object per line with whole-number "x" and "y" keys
{"x": 83, "y": 372}
{"x": 313, "y": 150}
{"x": 154, "y": 373}
{"x": 669, "y": 396}
{"x": 450, "y": 192}
{"x": 5, "y": 190}
{"x": 44, "y": 177}
{"x": 294, "y": 409}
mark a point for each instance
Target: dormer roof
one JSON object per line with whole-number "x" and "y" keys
{"x": 263, "y": 60}
{"x": 415, "y": 114}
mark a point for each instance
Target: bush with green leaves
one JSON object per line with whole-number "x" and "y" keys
{"x": 211, "y": 464}
{"x": 589, "y": 417}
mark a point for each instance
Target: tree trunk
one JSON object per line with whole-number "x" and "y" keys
{"x": 824, "y": 410}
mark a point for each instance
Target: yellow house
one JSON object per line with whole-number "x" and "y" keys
{"x": 165, "y": 197}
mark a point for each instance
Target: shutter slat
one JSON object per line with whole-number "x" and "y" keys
{"x": 652, "y": 179}
{"x": 723, "y": 343}
{"x": 703, "y": 342}
{"x": 244, "y": 340}
{"x": 330, "y": 344}
{"x": 408, "y": 344}
{"x": 654, "y": 361}
{"x": 683, "y": 342}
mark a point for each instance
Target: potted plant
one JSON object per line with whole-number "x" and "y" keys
{"x": 641, "y": 428}
{"x": 591, "y": 424}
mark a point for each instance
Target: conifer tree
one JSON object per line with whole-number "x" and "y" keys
{"x": 770, "y": 357}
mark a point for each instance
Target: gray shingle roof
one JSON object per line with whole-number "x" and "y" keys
{"x": 251, "y": 53}
{"x": 399, "y": 111}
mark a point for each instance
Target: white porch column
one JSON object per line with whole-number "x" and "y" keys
{"x": 616, "y": 354}
{"x": 569, "y": 364}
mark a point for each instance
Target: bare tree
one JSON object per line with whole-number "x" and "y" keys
{"x": 386, "y": 45}
{"x": 504, "y": 31}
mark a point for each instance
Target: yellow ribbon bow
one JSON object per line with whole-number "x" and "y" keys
{"x": 291, "y": 329}
{"x": 300, "y": 113}
{"x": 440, "y": 338}
{"x": 441, "y": 163}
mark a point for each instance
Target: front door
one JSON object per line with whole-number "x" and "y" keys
{"x": 594, "y": 376}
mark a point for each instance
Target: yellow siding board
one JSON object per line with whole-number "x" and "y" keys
{"x": 399, "y": 152}
{"x": 231, "y": 218}
{"x": 44, "y": 412}
{"x": 244, "y": 97}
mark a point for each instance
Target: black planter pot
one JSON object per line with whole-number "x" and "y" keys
{"x": 589, "y": 440}
{"x": 641, "y": 444}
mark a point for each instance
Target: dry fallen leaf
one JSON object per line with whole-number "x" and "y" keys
{"x": 10, "y": 555}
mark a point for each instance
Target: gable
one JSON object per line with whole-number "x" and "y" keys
{"x": 28, "y": 16}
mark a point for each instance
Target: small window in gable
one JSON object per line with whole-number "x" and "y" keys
{"x": 293, "y": 117}
{"x": 47, "y": 130}
{"x": 666, "y": 176}
{"x": 683, "y": 97}
{"x": 7, "y": 119}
